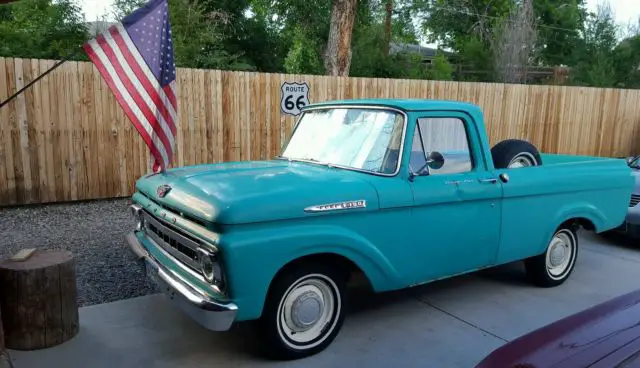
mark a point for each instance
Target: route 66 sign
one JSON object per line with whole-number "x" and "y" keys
{"x": 294, "y": 97}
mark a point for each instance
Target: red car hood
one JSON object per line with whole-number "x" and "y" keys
{"x": 605, "y": 335}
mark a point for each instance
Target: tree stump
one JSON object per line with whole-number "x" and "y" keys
{"x": 2, "y": 348}
{"x": 38, "y": 299}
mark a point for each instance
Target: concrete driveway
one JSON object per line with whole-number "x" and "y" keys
{"x": 452, "y": 323}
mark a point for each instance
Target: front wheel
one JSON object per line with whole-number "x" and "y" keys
{"x": 304, "y": 311}
{"x": 554, "y": 266}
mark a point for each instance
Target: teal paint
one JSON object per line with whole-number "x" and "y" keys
{"x": 410, "y": 232}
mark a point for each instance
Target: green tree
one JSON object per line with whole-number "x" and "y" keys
{"x": 595, "y": 54}
{"x": 626, "y": 60}
{"x": 296, "y": 27}
{"x": 475, "y": 59}
{"x": 198, "y": 35}
{"x": 468, "y": 28}
{"x": 453, "y": 22}
{"x": 441, "y": 69}
{"x": 558, "y": 31}
{"x": 43, "y": 29}
{"x": 303, "y": 56}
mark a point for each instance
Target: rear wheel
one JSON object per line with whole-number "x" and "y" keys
{"x": 555, "y": 265}
{"x": 304, "y": 311}
{"x": 515, "y": 153}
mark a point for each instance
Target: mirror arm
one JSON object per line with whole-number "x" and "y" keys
{"x": 412, "y": 174}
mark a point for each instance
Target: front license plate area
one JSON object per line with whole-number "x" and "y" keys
{"x": 152, "y": 273}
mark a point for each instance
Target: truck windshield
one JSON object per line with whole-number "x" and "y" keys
{"x": 350, "y": 138}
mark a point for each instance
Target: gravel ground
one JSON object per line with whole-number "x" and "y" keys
{"x": 94, "y": 232}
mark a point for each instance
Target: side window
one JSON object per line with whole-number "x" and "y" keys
{"x": 447, "y": 136}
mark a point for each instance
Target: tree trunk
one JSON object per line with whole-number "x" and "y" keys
{"x": 337, "y": 59}
{"x": 39, "y": 300}
{"x": 387, "y": 27}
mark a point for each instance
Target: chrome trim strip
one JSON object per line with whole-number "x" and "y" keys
{"x": 338, "y": 206}
{"x": 348, "y": 106}
{"x": 167, "y": 247}
{"x": 194, "y": 246}
{"x": 184, "y": 267}
{"x": 173, "y": 220}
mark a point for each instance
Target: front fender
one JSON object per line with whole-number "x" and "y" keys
{"x": 252, "y": 259}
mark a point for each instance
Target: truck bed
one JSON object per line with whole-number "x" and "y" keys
{"x": 560, "y": 159}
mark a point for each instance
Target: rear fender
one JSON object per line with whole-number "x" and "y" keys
{"x": 575, "y": 211}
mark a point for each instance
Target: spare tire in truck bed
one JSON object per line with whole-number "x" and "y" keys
{"x": 515, "y": 153}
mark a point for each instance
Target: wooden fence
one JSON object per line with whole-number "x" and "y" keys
{"x": 67, "y": 139}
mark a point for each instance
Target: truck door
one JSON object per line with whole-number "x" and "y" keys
{"x": 457, "y": 208}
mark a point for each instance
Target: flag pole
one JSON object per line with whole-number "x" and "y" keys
{"x": 54, "y": 67}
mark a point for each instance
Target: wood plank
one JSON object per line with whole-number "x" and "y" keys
{"x": 122, "y": 124}
{"x": 22, "y": 121}
{"x": 227, "y": 86}
{"x": 199, "y": 116}
{"x": 86, "y": 133}
{"x": 65, "y": 120}
{"x": 45, "y": 155}
{"x": 99, "y": 134}
{"x": 54, "y": 138}
{"x": 33, "y": 103}
{"x": 76, "y": 174}
{"x": 8, "y": 195}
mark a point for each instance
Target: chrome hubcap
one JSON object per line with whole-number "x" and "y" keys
{"x": 560, "y": 254}
{"x": 306, "y": 309}
{"x": 522, "y": 160}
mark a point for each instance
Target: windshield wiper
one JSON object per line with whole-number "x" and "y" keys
{"x": 312, "y": 160}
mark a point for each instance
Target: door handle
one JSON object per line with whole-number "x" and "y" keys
{"x": 489, "y": 181}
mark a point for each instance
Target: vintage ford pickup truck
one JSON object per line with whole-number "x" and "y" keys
{"x": 404, "y": 191}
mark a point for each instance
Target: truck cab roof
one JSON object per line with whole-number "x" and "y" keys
{"x": 409, "y": 104}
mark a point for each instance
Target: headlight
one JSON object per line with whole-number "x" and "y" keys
{"x": 210, "y": 267}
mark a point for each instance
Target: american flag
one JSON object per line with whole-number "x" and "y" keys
{"x": 135, "y": 57}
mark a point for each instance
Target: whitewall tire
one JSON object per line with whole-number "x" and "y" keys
{"x": 304, "y": 311}
{"x": 556, "y": 264}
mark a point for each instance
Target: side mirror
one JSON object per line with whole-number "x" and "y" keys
{"x": 435, "y": 161}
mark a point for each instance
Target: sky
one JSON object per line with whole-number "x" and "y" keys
{"x": 625, "y": 10}
{"x": 94, "y": 9}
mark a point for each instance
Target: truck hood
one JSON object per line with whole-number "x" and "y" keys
{"x": 256, "y": 191}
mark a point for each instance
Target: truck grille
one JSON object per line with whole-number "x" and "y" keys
{"x": 635, "y": 199}
{"x": 174, "y": 241}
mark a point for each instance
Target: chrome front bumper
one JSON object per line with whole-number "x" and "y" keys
{"x": 209, "y": 313}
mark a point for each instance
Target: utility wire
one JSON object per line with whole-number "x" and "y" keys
{"x": 436, "y": 8}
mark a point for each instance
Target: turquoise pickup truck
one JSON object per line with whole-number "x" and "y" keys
{"x": 404, "y": 192}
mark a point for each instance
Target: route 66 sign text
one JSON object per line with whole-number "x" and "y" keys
{"x": 294, "y": 97}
